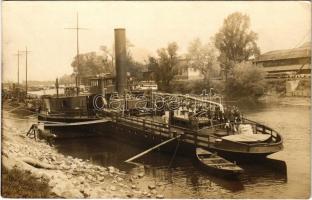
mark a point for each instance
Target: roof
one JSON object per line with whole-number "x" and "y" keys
{"x": 287, "y": 68}
{"x": 303, "y": 51}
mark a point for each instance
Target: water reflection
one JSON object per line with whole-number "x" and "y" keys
{"x": 183, "y": 176}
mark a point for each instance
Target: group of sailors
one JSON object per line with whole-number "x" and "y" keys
{"x": 229, "y": 116}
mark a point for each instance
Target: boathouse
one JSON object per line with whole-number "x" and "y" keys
{"x": 287, "y": 63}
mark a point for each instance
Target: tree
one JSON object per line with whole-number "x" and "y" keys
{"x": 109, "y": 56}
{"x": 67, "y": 79}
{"x": 203, "y": 58}
{"x": 134, "y": 67}
{"x": 164, "y": 66}
{"x": 236, "y": 42}
{"x": 247, "y": 81}
{"x": 91, "y": 64}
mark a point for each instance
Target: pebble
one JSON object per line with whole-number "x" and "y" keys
{"x": 133, "y": 186}
{"x": 111, "y": 169}
{"x": 151, "y": 187}
{"x": 113, "y": 188}
{"x": 129, "y": 195}
{"x": 140, "y": 175}
{"x": 119, "y": 179}
{"x": 159, "y": 196}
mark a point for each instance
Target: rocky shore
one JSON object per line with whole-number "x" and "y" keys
{"x": 69, "y": 177}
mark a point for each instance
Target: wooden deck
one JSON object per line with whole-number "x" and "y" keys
{"x": 207, "y": 139}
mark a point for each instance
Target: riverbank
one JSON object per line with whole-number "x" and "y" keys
{"x": 67, "y": 177}
{"x": 283, "y": 100}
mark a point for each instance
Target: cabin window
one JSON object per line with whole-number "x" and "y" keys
{"x": 94, "y": 83}
{"x": 65, "y": 104}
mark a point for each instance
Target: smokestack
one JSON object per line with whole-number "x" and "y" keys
{"x": 121, "y": 60}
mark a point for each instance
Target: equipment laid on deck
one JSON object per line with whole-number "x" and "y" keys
{"x": 216, "y": 164}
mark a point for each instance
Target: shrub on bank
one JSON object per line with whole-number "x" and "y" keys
{"x": 196, "y": 86}
{"x": 247, "y": 81}
{"x": 18, "y": 184}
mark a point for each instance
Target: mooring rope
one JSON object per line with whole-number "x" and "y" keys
{"x": 174, "y": 154}
{"x": 17, "y": 118}
{"x": 171, "y": 160}
{"x": 14, "y": 109}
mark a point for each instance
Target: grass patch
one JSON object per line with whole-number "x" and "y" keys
{"x": 18, "y": 184}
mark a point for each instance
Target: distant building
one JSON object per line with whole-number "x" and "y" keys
{"x": 287, "y": 64}
{"x": 186, "y": 72}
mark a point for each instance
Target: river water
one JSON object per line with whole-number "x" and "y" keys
{"x": 285, "y": 174}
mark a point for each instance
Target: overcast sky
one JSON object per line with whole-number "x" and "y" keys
{"x": 149, "y": 26}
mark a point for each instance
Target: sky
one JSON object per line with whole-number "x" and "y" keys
{"x": 149, "y": 26}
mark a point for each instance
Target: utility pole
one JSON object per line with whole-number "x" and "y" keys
{"x": 77, "y": 28}
{"x": 18, "y": 56}
{"x": 26, "y": 53}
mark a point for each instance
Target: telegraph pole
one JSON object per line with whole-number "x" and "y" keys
{"x": 18, "y": 56}
{"x": 26, "y": 53}
{"x": 77, "y": 28}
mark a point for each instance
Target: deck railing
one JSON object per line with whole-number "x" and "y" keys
{"x": 194, "y": 136}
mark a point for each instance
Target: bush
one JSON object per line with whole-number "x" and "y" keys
{"x": 278, "y": 86}
{"x": 17, "y": 184}
{"x": 248, "y": 81}
{"x": 196, "y": 86}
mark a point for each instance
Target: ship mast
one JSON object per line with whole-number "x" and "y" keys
{"x": 77, "y": 28}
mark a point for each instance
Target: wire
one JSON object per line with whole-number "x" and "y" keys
{"x": 171, "y": 161}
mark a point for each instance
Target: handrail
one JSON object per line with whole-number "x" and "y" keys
{"x": 164, "y": 128}
{"x": 190, "y": 97}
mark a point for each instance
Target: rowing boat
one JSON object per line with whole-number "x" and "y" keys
{"x": 216, "y": 164}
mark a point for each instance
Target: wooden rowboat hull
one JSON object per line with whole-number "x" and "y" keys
{"x": 231, "y": 171}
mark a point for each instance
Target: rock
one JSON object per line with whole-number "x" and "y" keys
{"x": 151, "y": 187}
{"x": 73, "y": 166}
{"x": 129, "y": 195}
{"x": 100, "y": 178}
{"x": 96, "y": 193}
{"x": 111, "y": 169}
{"x": 153, "y": 191}
{"x": 89, "y": 177}
{"x": 140, "y": 175}
{"x": 149, "y": 195}
{"x": 104, "y": 173}
{"x": 66, "y": 190}
{"x": 159, "y": 196}
{"x": 122, "y": 185}
{"x": 112, "y": 188}
{"x": 81, "y": 179}
{"x": 122, "y": 172}
{"x": 119, "y": 179}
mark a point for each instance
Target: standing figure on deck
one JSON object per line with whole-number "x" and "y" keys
{"x": 227, "y": 127}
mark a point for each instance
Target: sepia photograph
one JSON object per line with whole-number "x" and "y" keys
{"x": 156, "y": 99}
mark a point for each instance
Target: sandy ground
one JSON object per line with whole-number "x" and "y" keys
{"x": 69, "y": 177}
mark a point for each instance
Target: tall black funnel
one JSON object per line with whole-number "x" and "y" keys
{"x": 121, "y": 60}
